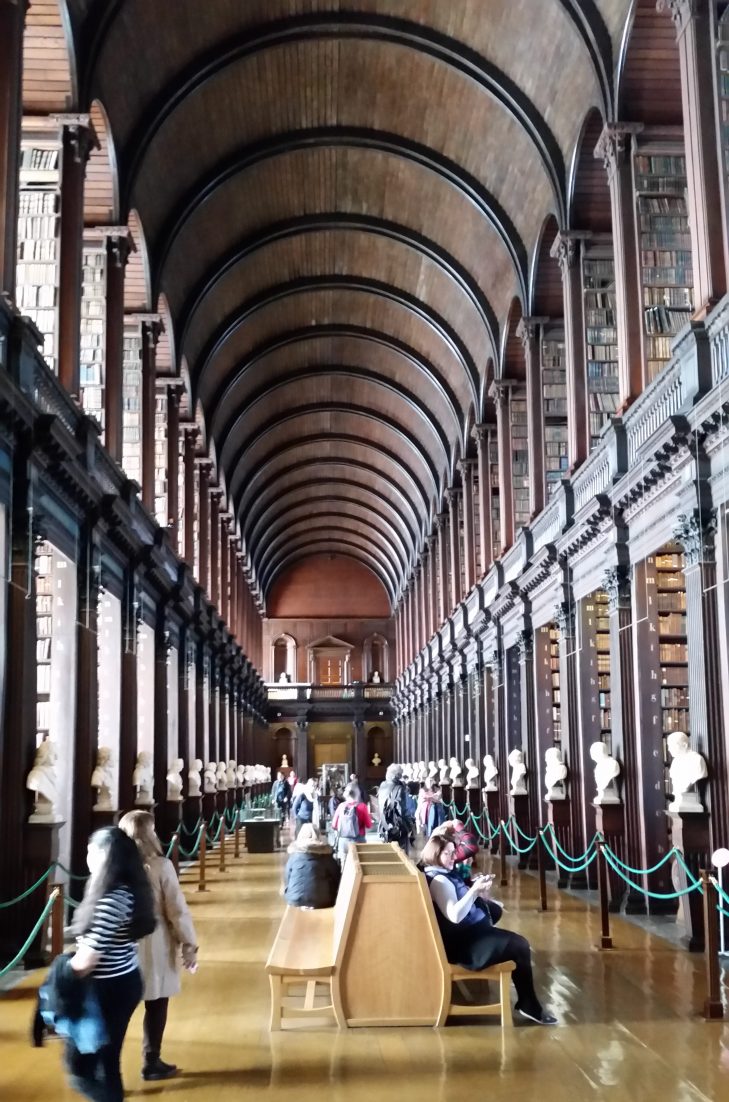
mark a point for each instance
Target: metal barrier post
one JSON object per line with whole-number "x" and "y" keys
{"x": 502, "y": 856}
{"x": 201, "y": 886}
{"x": 57, "y": 921}
{"x": 713, "y": 1009}
{"x": 222, "y": 844}
{"x": 606, "y": 941}
{"x": 542, "y": 873}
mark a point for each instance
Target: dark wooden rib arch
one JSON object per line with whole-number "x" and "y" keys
{"x": 327, "y": 522}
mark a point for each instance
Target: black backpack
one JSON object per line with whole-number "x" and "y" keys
{"x": 393, "y": 825}
{"x": 349, "y": 822}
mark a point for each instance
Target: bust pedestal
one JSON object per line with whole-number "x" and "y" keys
{"x": 689, "y": 832}
{"x": 105, "y": 817}
{"x": 493, "y": 807}
{"x": 610, "y": 822}
{"x": 474, "y": 802}
{"x": 446, "y": 793}
{"x": 41, "y": 848}
{"x": 221, "y": 800}
{"x": 209, "y": 805}
{"x": 169, "y": 817}
{"x": 519, "y": 811}
{"x": 558, "y": 817}
{"x": 191, "y": 812}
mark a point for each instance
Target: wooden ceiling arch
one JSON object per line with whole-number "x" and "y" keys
{"x": 345, "y": 550}
{"x": 305, "y": 545}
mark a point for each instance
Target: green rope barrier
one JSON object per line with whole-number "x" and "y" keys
{"x": 492, "y": 827}
{"x": 191, "y": 833}
{"x": 69, "y": 874}
{"x": 526, "y": 837}
{"x": 171, "y": 846}
{"x": 212, "y": 841}
{"x": 191, "y": 854}
{"x": 460, "y": 814}
{"x": 638, "y": 888}
{"x": 696, "y": 883}
{"x": 642, "y": 872}
{"x": 484, "y": 837}
{"x": 31, "y": 937}
{"x": 28, "y": 891}
{"x": 512, "y": 843}
{"x": 585, "y": 864}
{"x": 568, "y": 856}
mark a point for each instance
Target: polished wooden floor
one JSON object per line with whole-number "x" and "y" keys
{"x": 629, "y": 1024}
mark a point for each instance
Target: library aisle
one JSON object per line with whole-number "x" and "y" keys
{"x": 628, "y": 1023}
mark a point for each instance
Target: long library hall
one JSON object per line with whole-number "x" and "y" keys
{"x": 364, "y": 541}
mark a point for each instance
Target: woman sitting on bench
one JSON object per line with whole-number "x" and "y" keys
{"x": 467, "y": 928}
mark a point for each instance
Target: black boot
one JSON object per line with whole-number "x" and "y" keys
{"x": 154, "y": 1068}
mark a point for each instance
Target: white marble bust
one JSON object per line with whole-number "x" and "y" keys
{"x": 221, "y": 777}
{"x": 143, "y": 780}
{"x": 43, "y": 781}
{"x": 407, "y": 772}
{"x": 607, "y": 770}
{"x": 240, "y": 776}
{"x": 490, "y": 773}
{"x": 174, "y": 780}
{"x": 442, "y": 772}
{"x": 432, "y": 771}
{"x": 102, "y": 779}
{"x": 210, "y": 782}
{"x": 555, "y": 775}
{"x": 471, "y": 774}
{"x": 456, "y": 773}
{"x": 422, "y": 771}
{"x": 687, "y": 769}
{"x": 194, "y": 779}
{"x": 518, "y": 773}
{"x": 230, "y": 778}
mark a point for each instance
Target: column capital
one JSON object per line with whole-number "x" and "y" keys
{"x": 480, "y": 432}
{"x": 499, "y": 391}
{"x": 432, "y": 541}
{"x": 441, "y": 520}
{"x": 452, "y": 494}
{"x": 525, "y": 645}
{"x": 616, "y": 583}
{"x": 79, "y": 135}
{"x": 613, "y": 144}
{"x": 465, "y": 465}
{"x": 564, "y": 615}
{"x": 565, "y": 248}
{"x": 528, "y": 328}
{"x": 680, "y": 11}
{"x": 695, "y": 532}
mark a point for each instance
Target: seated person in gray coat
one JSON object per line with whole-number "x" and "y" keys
{"x": 311, "y": 876}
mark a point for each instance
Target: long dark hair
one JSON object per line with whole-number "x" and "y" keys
{"x": 122, "y": 868}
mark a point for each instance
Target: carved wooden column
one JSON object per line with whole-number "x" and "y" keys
{"x": 188, "y": 461}
{"x": 204, "y": 523}
{"x": 425, "y": 594}
{"x": 214, "y": 588}
{"x": 128, "y": 723}
{"x": 161, "y": 755}
{"x": 233, "y": 582}
{"x": 118, "y": 247}
{"x": 202, "y": 672}
{"x": 224, "y": 602}
{"x": 614, "y": 149}
{"x": 87, "y": 695}
{"x": 466, "y": 467}
{"x": 482, "y": 435}
{"x": 173, "y": 463}
{"x": 695, "y": 32}
{"x": 410, "y": 606}
{"x": 432, "y": 585}
{"x": 570, "y": 727}
{"x": 441, "y": 521}
{"x": 415, "y": 606}
{"x": 525, "y": 647}
{"x": 453, "y": 497}
{"x": 12, "y": 21}
{"x": 566, "y": 250}
{"x": 78, "y": 141}
{"x": 151, "y": 330}
{"x": 696, "y": 534}
{"x": 500, "y": 393}
{"x": 528, "y": 331}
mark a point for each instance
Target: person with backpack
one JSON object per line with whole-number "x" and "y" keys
{"x": 396, "y": 823}
{"x": 351, "y": 821}
{"x": 281, "y": 797}
{"x": 303, "y": 805}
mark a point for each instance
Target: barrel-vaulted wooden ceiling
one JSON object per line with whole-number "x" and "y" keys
{"x": 340, "y": 200}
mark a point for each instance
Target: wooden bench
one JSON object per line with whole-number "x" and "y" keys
{"x": 374, "y": 959}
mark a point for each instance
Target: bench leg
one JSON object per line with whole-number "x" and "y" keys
{"x": 276, "y": 996}
{"x": 505, "y": 1000}
{"x": 310, "y": 995}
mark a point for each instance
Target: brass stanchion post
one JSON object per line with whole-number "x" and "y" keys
{"x": 606, "y": 941}
{"x": 502, "y": 856}
{"x": 542, "y": 873}
{"x": 57, "y": 921}
{"x": 222, "y": 844}
{"x": 713, "y": 1009}
{"x": 201, "y": 886}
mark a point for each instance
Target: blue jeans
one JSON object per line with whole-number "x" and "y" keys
{"x": 97, "y": 1075}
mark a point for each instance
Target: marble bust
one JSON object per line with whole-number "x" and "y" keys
{"x": 471, "y": 774}
{"x": 518, "y": 773}
{"x": 240, "y": 776}
{"x": 221, "y": 777}
{"x": 194, "y": 778}
{"x": 442, "y": 771}
{"x": 555, "y": 774}
{"x": 210, "y": 781}
{"x": 230, "y": 778}
{"x": 407, "y": 772}
{"x": 143, "y": 780}
{"x": 432, "y": 771}
{"x": 174, "y": 780}
{"x": 102, "y": 779}
{"x": 43, "y": 781}
{"x": 688, "y": 767}
{"x": 456, "y": 773}
{"x": 607, "y": 770}
{"x": 490, "y": 773}
{"x": 422, "y": 771}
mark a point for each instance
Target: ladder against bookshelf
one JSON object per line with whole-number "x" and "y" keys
{"x": 601, "y": 347}
{"x": 132, "y": 402}
{"x": 519, "y": 456}
{"x": 37, "y": 272}
{"x": 554, "y": 683}
{"x": 93, "y": 326}
{"x": 495, "y": 503}
{"x": 722, "y": 56}
{"x": 602, "y": 648}
{"x": 44, "y": 638}
{"x": 160, "y": 459}
{"x": 554, "y": 389}
{"x": 664, "y": 245}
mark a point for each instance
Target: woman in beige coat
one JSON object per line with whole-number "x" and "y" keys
{"x": 172, "y": 942}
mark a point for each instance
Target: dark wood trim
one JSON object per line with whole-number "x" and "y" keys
{"x": 340, "y": 547}
{"x": 315, "y": 526}
{"x": 334, "y": 532}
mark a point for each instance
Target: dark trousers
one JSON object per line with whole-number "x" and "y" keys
{"x": 155, "y": 1020}
{"x": 511, "y": 946}
{"x": 299, "y": 824}
{"x": 97, "y": 1075}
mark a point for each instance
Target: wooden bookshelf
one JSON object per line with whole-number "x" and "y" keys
{"x": 44, "y": 639}
{"x": 554, "y": 389}
{"x": 181, "y": 495}
{"x": 519, "y": 457}
{"x": 554, "y": 684}
{"x": 93, "y": 327}
{"x": 672, "y": 640}
{"x": 196, "y": 525}
{"x": 602, "y": 657}
{"x": 132, "y": 402}
{"x": 160, "y": 459}
{"x": 548, "y": 701}
{"x": 37, "y": 273}
{"x": 723, "y": 101}
{"x": 476, "y": 521}
{"x": 664, "y": 247}
{"x": 495, "y": 503}
{"x": 601, "y": 347}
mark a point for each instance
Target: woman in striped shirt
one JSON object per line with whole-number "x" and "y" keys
{"x": 116, "y": 910}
